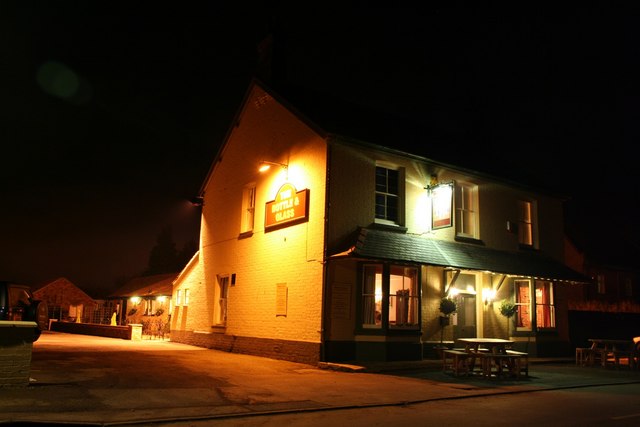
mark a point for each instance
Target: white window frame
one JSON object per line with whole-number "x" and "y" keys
{"x": 399, "y": 196}
{"x": 524, "y": 303}
{"x": 466, "y": 208}
{"x": 222, "y": 293}
{"x": 525, "y": 223}
{"x": 248, "y": 208}
{"x": 178, "y": 297}
{"x": 186, "y": 297}
{"x": 545, "y": 309}
{"x": 381, "y": 287}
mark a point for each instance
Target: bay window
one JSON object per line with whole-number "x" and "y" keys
{"x": 390, "y": 297}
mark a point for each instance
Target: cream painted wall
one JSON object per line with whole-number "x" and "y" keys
{"x": 292, "y": 255}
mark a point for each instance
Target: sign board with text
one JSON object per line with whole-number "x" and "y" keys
{"x": 289, "y": 207}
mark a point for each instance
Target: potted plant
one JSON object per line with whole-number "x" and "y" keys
{"x": 508, "y": 309}
{"x": 447, "y": 307}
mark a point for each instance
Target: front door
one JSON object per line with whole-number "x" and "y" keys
{"x": 465, "y": 327}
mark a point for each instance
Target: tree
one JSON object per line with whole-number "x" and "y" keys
{"x": 164, "y": 255}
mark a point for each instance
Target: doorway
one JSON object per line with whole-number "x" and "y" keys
{"x": 465, "y": 325}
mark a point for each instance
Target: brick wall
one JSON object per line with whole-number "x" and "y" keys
{"x": 96, "y": 329}
{"x": 293, "y": 351}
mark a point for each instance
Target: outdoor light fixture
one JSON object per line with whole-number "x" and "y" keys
{"x": 197, "y": 201}
{"x": 488, "y": 295}
{"x": 264, "y": 165}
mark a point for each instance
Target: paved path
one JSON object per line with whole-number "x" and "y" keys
{"x": 101, "y": 381}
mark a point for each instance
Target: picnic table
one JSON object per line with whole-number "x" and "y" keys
{"x": 495, "y": 357}
{"x": 608, "y": 352}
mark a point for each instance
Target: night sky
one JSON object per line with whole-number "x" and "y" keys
{"x": 112, "y": 112}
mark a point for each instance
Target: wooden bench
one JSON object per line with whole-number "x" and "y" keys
{"x": 455, "y": 361}
{"x": 522, "y": 362}
{"x": 511, "y": 363}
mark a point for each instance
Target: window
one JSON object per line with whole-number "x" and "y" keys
{"x": 523, "y": 303}
{"x": 178, "y": 297}
{"x": 466, "y": 201}
{"x": 601, "y": 284}
{"x": 221, "y": 310}
{"x": 248, "y": 208}
{"x": 372, "y": 296}
{"x": 390, "y": 297}
{"x": 525, "y": 223}
{"x": 545, "y": 309}
{"x": 403, "y": 296}
{"x": 186, "y": 297}
{"x": 388, "y": 194}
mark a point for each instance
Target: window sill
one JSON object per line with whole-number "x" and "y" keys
{"x": 526, "y": 248}
{"x": 469, "y": 240}
{"x": 218, "y": 329}
{"x": 389, "y": 227}
{"x": 245, "y": 235}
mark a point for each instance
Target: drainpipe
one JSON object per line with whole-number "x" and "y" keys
{"x": 325, "y": 268}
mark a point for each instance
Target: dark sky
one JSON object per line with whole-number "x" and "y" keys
{"x": 113, "y": 111}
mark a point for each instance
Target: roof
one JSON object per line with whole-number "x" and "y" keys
{"x": 156, "y": 285}
{"x": 334, "y": 115}
{"x": 381, "y": 244}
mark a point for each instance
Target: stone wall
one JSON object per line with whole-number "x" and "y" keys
{"x": 16, "y": 345}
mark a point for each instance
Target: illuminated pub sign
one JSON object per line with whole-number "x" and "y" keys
{"x": 288, "y": 208}
{"x": 441, "y": 205}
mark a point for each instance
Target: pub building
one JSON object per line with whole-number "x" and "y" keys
{"x": 320, "y": 246}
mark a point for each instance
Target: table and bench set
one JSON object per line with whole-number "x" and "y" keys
{"x": 610, "y": 353}
{"x": 488, "y": 357}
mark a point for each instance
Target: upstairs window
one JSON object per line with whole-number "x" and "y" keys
{"x": 387, "y": 195}
{"x": 248, "y": 208}
{"x": 466, "y": 205}
{"x": 525, "y": 223}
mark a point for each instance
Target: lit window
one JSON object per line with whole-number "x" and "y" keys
{"x": 221, "y": 310}
{"x": 389, "y": 297}
{"x": 186, "y": 297}
{"x": 525, "y": 223}
{"x": 601, "y": 284}
{"x": 466, "y": 203}
{"x": 372, "y": 296}
{"x": 523, "y": 303}
{"x": 178, "y": 297}
{"x": 248, "y": 208}
{"x": 545, "y": 309}
{"x": 388, "y": 195}
{"x": 403, "y": 296}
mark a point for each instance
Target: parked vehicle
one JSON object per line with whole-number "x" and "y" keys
{"x": 18, "y": 304}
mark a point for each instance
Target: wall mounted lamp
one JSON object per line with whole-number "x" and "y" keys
{"x": 488, "y": 295}
{"x": 197, "y": 201}
{"x": 264, "y": 165}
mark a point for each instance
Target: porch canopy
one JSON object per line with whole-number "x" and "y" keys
{"x": 382, "y": 244}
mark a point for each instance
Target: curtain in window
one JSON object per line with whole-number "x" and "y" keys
{"x": 368, "y": 296}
